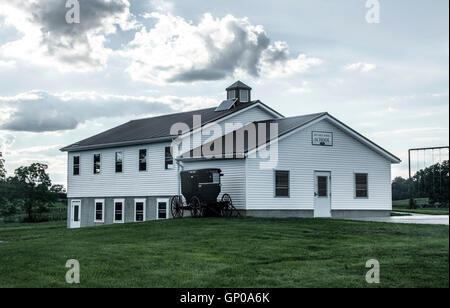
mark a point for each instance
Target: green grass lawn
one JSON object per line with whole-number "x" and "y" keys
{"x": 405, "y": 203}
{"x": 423, "y": 211}
{"x": 245, "y": 252}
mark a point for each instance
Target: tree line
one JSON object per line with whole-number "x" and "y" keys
{"x": 28, "y": 191}
{"x": 431, "y": 182}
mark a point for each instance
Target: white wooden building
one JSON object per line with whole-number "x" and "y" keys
{"x": 322, "y": 167}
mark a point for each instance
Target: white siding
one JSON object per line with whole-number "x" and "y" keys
{"x": 346, "y": 157}
{"x": 156, "y": 181}
{"x": 248, "y": 115}
{"x": 233, "y": 181}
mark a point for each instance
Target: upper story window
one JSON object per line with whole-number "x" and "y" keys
{"x": 76, "y": 165}
{"x": 97, "y": 163}
{"x": 168, "y": 159}
{"x": 243, "y": 96}
{"x": 232, "y": 94}
{"x": 361, "y": 185}
{"x": 119, "y": 162}
{"x": 143, "y": 160}
{"x": 281, "y": 183}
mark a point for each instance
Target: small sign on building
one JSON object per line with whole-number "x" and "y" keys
{"x": 322, "y": 138}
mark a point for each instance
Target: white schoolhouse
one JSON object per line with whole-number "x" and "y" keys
{"x": 305, "y": 166}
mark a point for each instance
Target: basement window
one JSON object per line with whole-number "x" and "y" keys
{"x": 361, "y": 185}
{"x": 119, "y": 210}
{"x": 99, "y": 210}
{"x": 119, "y": 162}
{"x": 76, "y": 165}
{"x": 281, "y": 183}
{"x": 143, "y": 160}
{"x": 162, "y": 208}
{"x": 97, "y": 163}
{"x": 139, "y": 210}
{"x": 168, "y": 159}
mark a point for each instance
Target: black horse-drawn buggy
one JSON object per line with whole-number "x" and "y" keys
{"x": 200, "y": 190}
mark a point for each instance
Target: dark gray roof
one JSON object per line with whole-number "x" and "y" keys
{"x": 151, "y": 129}
{"x": 285, "y": 125}
{"x": 238, "y": 85}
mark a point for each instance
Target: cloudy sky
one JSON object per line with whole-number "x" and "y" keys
{"x": 60, "y": 82}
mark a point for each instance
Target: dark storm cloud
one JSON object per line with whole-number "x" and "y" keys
{"x": 43, "y": 112}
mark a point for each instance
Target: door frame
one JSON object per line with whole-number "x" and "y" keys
{"x": 317, "y": 173}
{"x": 75, "y": 224}
{"x": 166, "y": 200}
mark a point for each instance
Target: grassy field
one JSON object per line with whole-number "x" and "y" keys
{"x": 403, "y": 206}
{"x": 420, "y": 202}
{"x": 246, "y": 252}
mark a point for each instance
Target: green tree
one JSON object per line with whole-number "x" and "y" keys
{"x": 32, "y": 184}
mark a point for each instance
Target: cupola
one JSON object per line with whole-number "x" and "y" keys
{"x": 239, "y": 91}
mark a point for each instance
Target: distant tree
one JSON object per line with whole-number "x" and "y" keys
{"x": 2, "y": 168}
{"x": 59, "y": 191}
{"x": 431, "y": 183}
{"x": 401, "y": 188}
{"x": 31, "y": 185}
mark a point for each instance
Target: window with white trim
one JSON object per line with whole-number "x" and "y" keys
{"x": 168, "y": 162}
{"x": 119, "y": 210}
{"x": 99, "y": 215}
{"x": 119, "y": 162}
{"x": 281, "y": 183}
{"x": 161, "y": 207}
{"x": 139, "y": 210}
{"x": 143, "y": 160}
{"x": 231, "y": 94}
{"x": 97, "y": 163}
{"x": 243, "y": 96}
{"x": 361, "y": 185}
{"x": 76, "y": 165}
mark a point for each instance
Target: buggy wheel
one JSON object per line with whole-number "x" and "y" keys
{"x": 227, "y": 209}
{"x": 176, "y": 207}
{"x": 196, "y": 207}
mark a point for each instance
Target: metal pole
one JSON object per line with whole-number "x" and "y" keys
{"x": 409, "y": 163}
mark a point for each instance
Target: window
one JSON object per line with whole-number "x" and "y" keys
{"x": 281, "y": 183}
{"x": 119, "y": 210}
{"x": 361, "y": 185}
{"x": 168, "y": 159}
{"x": 139, "y": 210}
{"x": 243, "y": 94}
{"x": 143, "y": 160}
{"x": 322, "y": 186}
{"x": 119, "y": 162}
{"x": 76, "y": 165}
{"x": 99, "y": 210}
{"x": 97, "y": 163}
{"x": 161, "y": 207}
{"x": 231, "y": 94}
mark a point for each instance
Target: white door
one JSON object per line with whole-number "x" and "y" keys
{"x": 75, "y": 216}
{"x": 322, "y": 194}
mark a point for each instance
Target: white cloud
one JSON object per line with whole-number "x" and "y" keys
{"x": 407, "y": 131}
{"x": 176, "y": 50}
{"x": 7, "y": 64}
{"x": 48, "y": 40}
{"x": 162, "y": 5}
{"x": 360, "y": 67}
